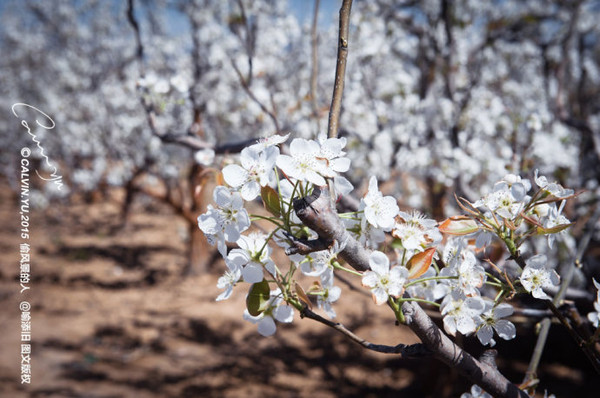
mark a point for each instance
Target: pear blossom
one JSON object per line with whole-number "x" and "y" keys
{"x": 331, "y": 150}
{"x": 382, "y": 280}
{"x": 379, "y": 210}
{"x": 469, "y": 276}
{"x": 257, "y": 170}
{"x": 554, "y": 219}
{"x": 179, "y": 83}
{"x": 277, "y": 310}
{"x": 329, "y": 293}
{"x": 536, "y": 276}
{"x": 342, "y": 186}
{"x": 452, "y": 251}
{"x": 518, "y": 186}
{"x": 205, "y": 157}
{"x": 304, "y": 162}
{"x": 228, "y": 280}
{"x": 415, "y": 231}
{"x": 252, "y": 255}
{"x": 320, "y": 261}
{"x": 430, "y": 290}
{"x": 552, "y": 188}
{"x": 267, "y": 142}
{"x": 225, "y": 222}
{"x": 594, "y": 316}
{"x": 366, "y": 233}
{"x": 504, "y": 200}
{"x": 461, "y": 313}
{"x": 491, "y": 320}
{"x": 476, "y": 392}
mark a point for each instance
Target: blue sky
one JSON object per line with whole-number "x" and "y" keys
{"x": 304, "y": 10}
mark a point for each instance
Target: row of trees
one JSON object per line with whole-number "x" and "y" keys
{"x": 441, "y": 97}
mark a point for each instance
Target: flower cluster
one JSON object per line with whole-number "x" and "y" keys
{"x": 459, "y": 282}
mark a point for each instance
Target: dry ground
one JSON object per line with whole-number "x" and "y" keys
{"x": 112, "y": 317}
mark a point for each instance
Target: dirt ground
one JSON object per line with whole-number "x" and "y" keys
{"x": 113, "y": 317}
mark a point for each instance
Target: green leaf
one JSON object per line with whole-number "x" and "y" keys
{"x": 258, "y": 298}
{"x": 553, "y": 230}
{"x": 270, "y": 198}
{"x": 397, "y": 243}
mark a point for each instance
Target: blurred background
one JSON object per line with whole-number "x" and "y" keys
{"x": 442, "y": 97}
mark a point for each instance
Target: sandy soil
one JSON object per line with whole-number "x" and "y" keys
{"x": 113, "y": 317}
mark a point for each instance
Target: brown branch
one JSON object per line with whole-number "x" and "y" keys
{"x": 340, "y": 70}
{"x": 317, "y": 213}
{"x": 406, "y": 351}
{"x": 315, "y": 67}
{"x": 545, "y": 324}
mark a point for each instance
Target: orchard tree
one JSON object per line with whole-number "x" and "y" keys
{"x": 440, "y": 98}
{"x": 399, "y": 256}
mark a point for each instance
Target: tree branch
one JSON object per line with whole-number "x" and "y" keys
{"x": 314, "y": 67}
{"x": 340, "y": 70}
{"x": 317, "y": 213}
{"x": 406, "y": 351}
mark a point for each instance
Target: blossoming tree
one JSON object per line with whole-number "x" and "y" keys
{"x": 440, "y": 97}
{"x": 398, "y": 256}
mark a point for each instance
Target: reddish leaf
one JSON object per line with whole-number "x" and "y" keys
{"x": 302, "y": 295}
{"x": 419, "y": 263}
{"x": 458, "y": 225}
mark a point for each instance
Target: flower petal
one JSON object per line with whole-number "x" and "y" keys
{"x": 379, "y": 263}
{"x": 266, "y": 326}
{"x": 235, "y": 175}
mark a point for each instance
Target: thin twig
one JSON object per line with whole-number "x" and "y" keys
{"x": 340, "y": 70}
{"x": 405, "y": 350}
{"x": 253, "y": 97}
{"x": 545, "y": 324}
{"x": 315, "y": 67}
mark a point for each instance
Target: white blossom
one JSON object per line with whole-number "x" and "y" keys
{"x": 204, "y": 157}
{"x": 252, "y": 257}
{"x": 552, "y": 188}
{"x": 379, "y": 210}
{"x": 536, "y": 276}
{"x": 304, "y": 162}
{"x": 476, "y": 392}
{"x": 329, "y": 293}
{"x": 331, "y": 151}
{"x": 461, "y": 313}
{"x": 228, "y": 280}
{"x": 553, "y": 219}
{"x": 491, "y": 320}
{"x": 430, "y": 290}
{"x": 594, "y": 316}
{"x": 226, "y": 221}
{"x": 276, "y": 309}
{"x": 256, "y": 170}
{"x": 466, "y": 275}
{"x": 382, "y": 280}
{"x": 267, "y": 142}
{"x": 317, "y": 262}
{"x": 415, "y": 231}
